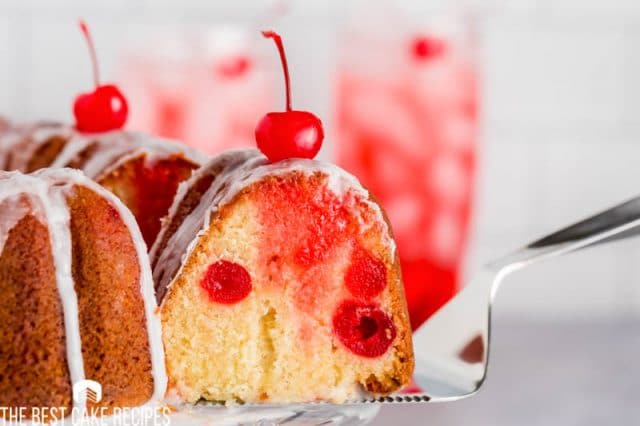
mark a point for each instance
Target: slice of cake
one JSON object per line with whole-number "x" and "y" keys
{"x": 279, "y": 283}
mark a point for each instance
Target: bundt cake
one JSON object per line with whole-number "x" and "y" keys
{"x": 142, "y": 171}
{"x": 77, "y": 296}
{"x": 279, "y": 282}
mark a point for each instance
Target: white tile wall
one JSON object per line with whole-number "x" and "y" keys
{"x": 5, "y": 52}
{"x": 561, "y": 134}
{"x": 560, "y": 111}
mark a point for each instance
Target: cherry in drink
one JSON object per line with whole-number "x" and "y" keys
{"x": 206, "y": 89}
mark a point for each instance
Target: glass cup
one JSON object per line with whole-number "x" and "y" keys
{"x": 207, "y": 89}
{"x": 406, "y": 119}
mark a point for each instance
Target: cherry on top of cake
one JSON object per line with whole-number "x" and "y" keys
{"x": 290, "y": 133}
{"x": 103, "y": 109}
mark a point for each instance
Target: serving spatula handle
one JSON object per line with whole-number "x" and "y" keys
{"x": 619, "y": 222}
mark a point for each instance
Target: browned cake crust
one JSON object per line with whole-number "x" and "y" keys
{"x": 401, "y": 373}
{"x": 33, "y": 368}
{"x": 106, "y": 273}
{"x": 405, "y": 361}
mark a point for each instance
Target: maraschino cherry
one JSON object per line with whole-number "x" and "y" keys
{"x": 288, "y": 134}
{"x": 366, "y": 277}
{"x": 103, "y": 109}
{"x": 364, "y": 329}
{"x": 427, "y": 47}
{"x": 226, "y": 282}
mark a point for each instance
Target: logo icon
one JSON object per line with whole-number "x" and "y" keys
{"x": 87, "y": 390}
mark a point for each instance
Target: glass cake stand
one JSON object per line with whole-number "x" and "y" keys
{"x": 354, "y": 413}
{"x": 295, "y": 414}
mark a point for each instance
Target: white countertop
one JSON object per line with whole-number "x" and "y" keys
{"x": 546, "y": 374}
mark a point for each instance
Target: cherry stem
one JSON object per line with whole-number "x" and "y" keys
{"x": 283, "y": 58}
{"x": 92, "y": 51}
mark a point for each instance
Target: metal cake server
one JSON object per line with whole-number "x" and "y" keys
{"x": 452, "y": 347}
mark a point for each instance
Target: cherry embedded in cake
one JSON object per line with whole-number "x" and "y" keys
{"x": 364, "y": 328}
{"x": 366, "y": 276}
{"x": 226, "y": 282}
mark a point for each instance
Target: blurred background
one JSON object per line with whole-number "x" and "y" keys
{"x": 480, "y": 126}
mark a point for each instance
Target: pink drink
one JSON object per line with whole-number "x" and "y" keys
{"x": 208, "y": 91}
{"x": 407, "y": 125}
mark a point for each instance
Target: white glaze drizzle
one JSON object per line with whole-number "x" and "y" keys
{"x": 197, "y": 221}
{"x": 54, "y": 213}
{"x": 185, "y": 186}
{"x": 111, "y": 149}
{"x": 227, "y": 185}
{"x": 19, "y": 143}
{"x": 156, "y": 348}
{"x": 11, "y": 215}
{"x": 156, "y": 149}
{"x": 158, "y": 370}
{"x": 58, "y": 220}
